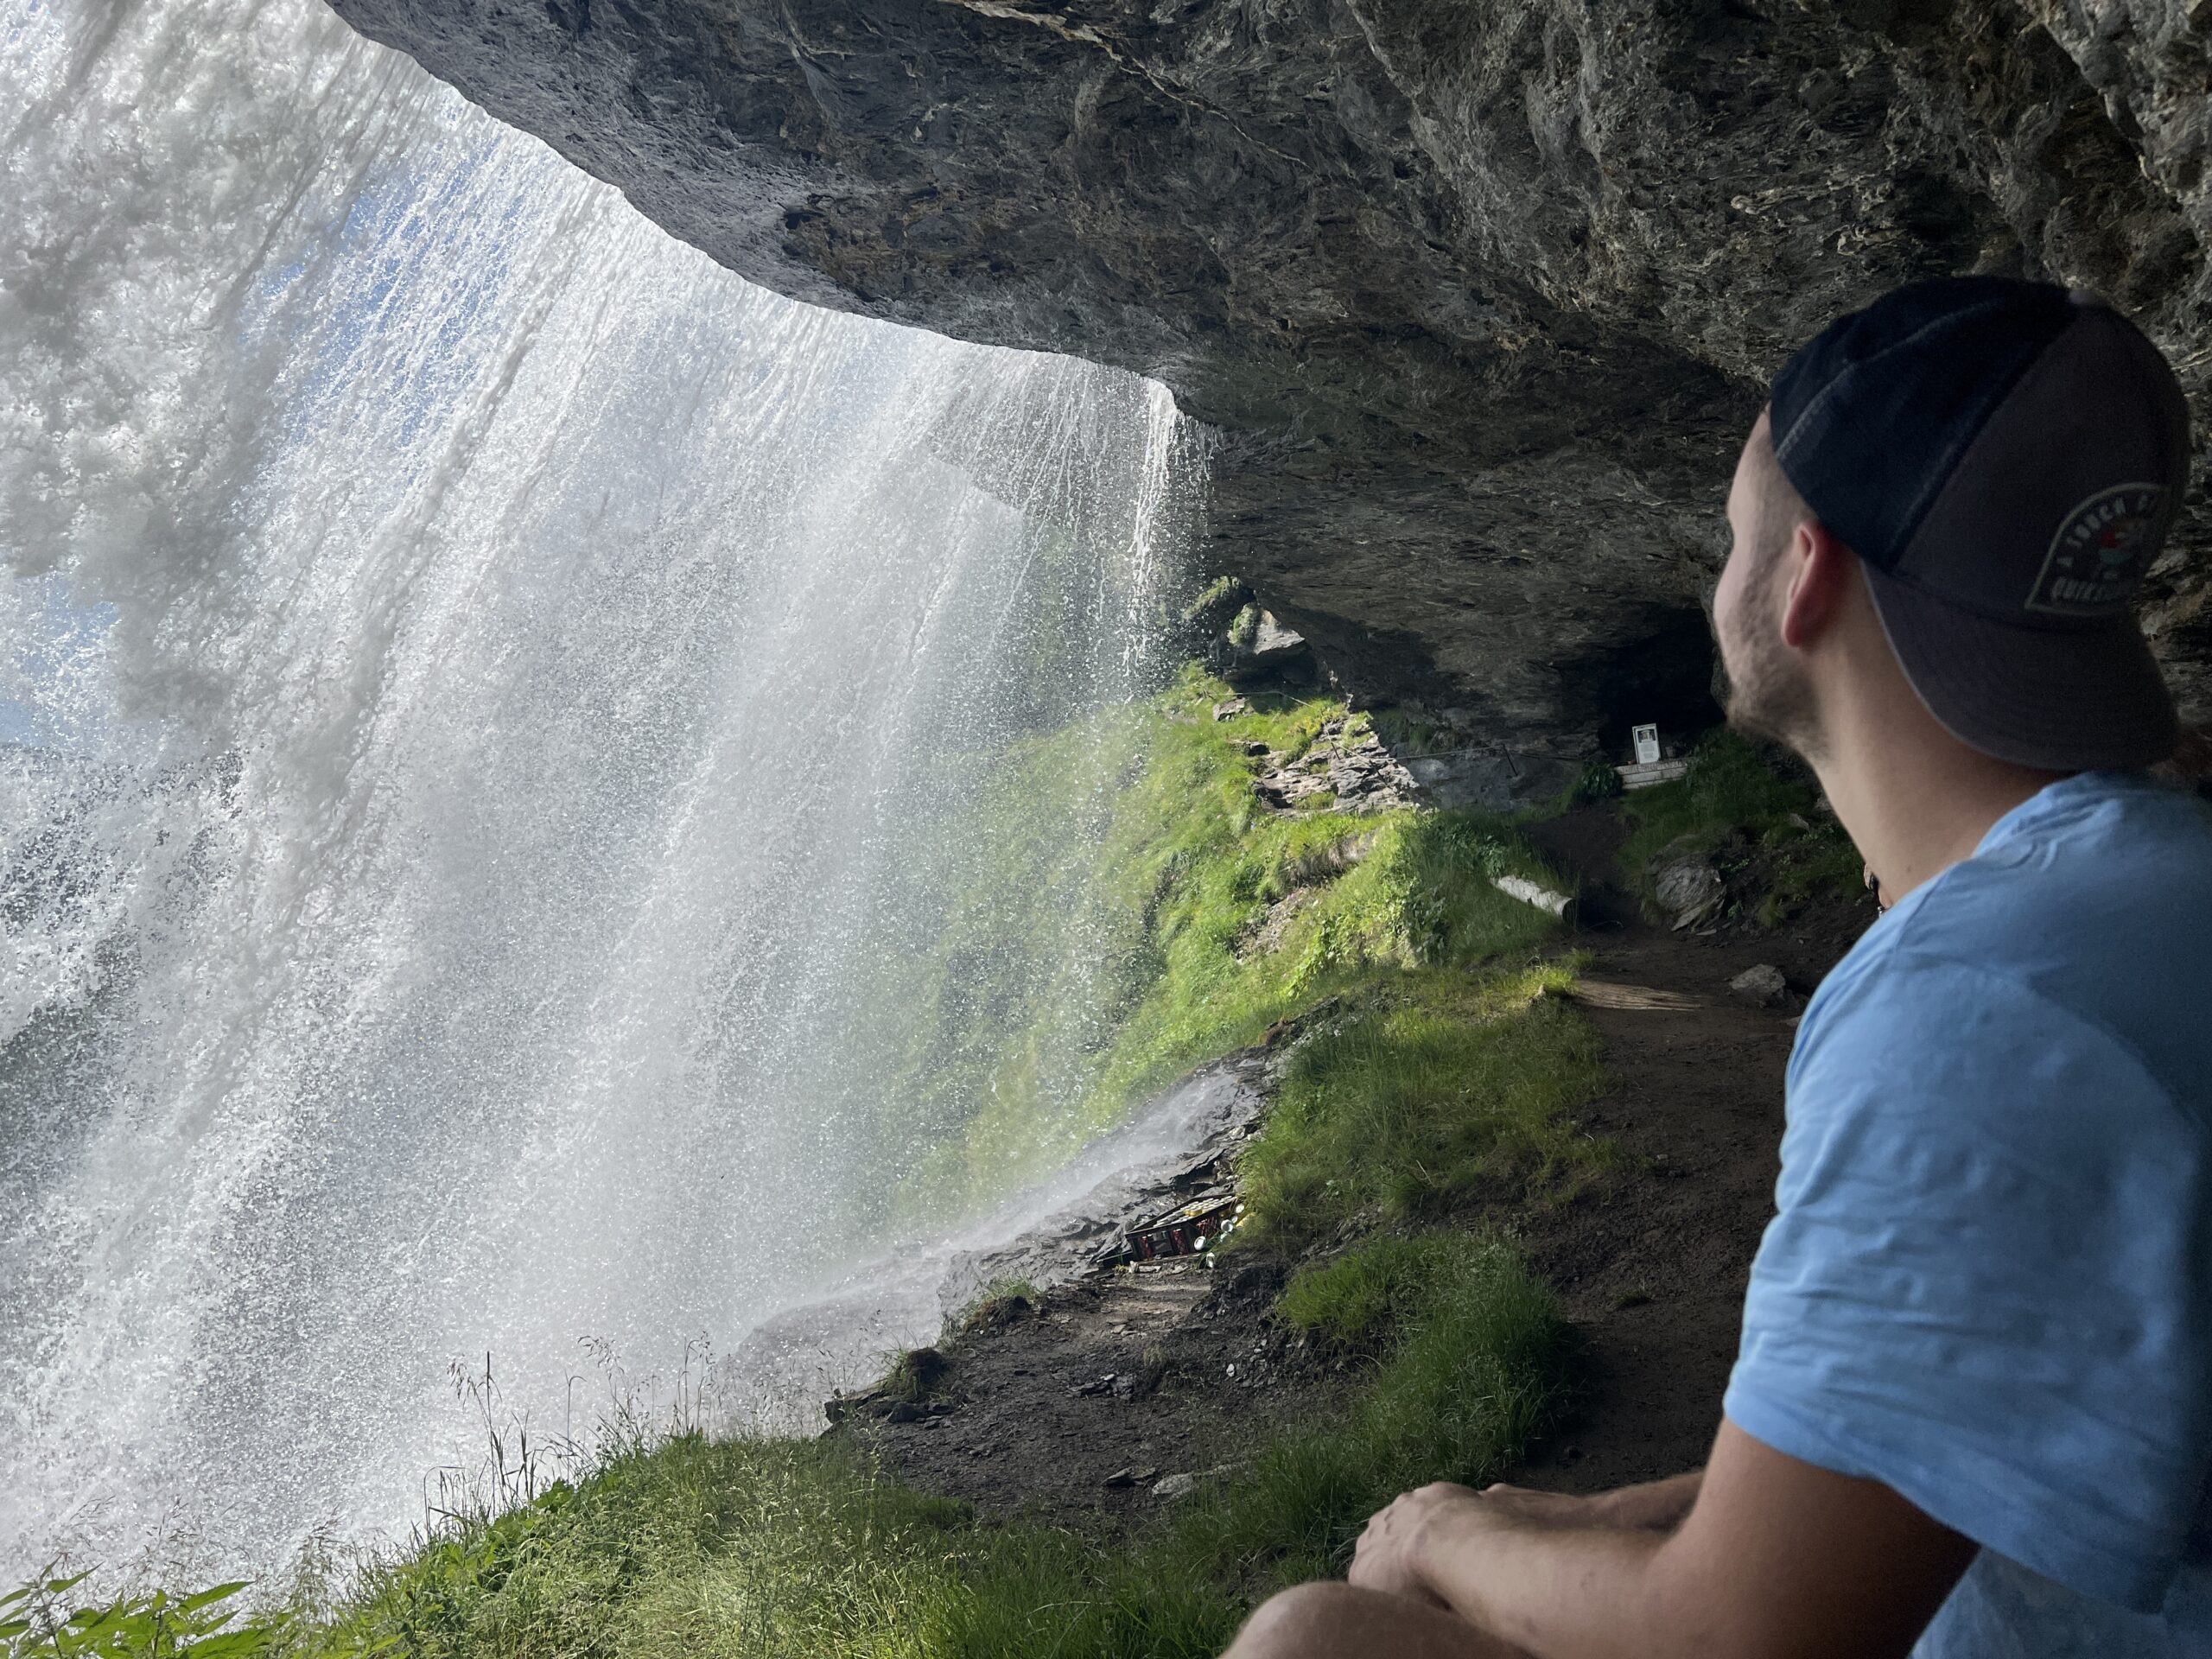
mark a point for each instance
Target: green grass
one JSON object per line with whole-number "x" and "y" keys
{"x": 915, "y": 1375}
{"x": 1012, "y": 1058}
{"x": 694, "y": 1548}
{"x": 1349, "y": 1301}
{"x": 691, "y": 1547}
{"x": 1736, "y": 790}
{"x": 1445, "y": 1089}
{"x": 46, "y": 1620}
{"x": 1473, "y": 1367}
{"x": 1598, "y": 781}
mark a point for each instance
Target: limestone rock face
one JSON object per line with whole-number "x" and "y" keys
{"x": 1481, "y": 294}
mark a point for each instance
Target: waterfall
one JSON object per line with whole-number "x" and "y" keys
{"x": 479, "y": 671}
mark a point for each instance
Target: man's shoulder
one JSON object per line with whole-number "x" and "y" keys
{"x": 2072, "y": 875}
{"x": 2090, "y": 929}
{"x": 1983, "y": 1285}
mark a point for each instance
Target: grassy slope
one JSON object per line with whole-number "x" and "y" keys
{"x": 1439, "y": 1070}
{"x": 1732, "y": 794}
{"x": 1027, "y": 1067}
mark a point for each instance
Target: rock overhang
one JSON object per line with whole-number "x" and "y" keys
{"x": 1481, "y": 295}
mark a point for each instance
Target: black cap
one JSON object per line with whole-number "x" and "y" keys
{"x": 2006, "y": 458}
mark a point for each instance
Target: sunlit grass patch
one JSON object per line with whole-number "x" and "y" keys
{"x": 1448, "y": 1089}
{"x": 701, "y": 1549}
{"x": 748, "y": 1549}
{"x": 1202, "y": 918}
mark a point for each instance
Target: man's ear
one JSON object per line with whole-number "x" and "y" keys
{"x": 1821, "y": 569}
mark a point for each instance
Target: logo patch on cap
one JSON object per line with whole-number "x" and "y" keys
{"x": 2101, "y": 552}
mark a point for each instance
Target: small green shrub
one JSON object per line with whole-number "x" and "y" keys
{"x": 1001, "y": 1302}
{"x": 916, "y": 1375}
{"x": 1213, "y": 594}
{"x": 1729, "y": 786}
{"x": 1598, "y": 781}
{"x": 44, "y": 1621}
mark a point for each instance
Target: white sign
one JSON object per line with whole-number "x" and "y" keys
{"x": 1647, "y": 744}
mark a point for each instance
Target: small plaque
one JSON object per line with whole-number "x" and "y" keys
{"x": 1647, "y": 744}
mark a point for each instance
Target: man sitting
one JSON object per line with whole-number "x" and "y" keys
{"x": 1972, "y": 1410}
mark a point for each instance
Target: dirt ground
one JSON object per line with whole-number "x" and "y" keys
{"x": 1651, "y": 1266}
{"x": 1076, "y": 1411}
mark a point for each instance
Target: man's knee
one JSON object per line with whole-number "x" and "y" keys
{"x": 1308, "y": 1621}
{"x": 1338, "y": 1621}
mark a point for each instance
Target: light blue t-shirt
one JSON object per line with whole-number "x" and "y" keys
{"x": 1989, "y": 1282}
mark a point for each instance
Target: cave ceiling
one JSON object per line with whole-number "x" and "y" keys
{"x": 1480, "y": 295}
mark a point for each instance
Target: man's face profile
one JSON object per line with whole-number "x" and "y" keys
{"x": 1768, "y": 693}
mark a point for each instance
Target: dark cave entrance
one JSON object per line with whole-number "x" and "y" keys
{"x": 1664, "y": 678}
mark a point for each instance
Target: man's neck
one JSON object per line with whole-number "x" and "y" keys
{"x": 1914, "y": 799}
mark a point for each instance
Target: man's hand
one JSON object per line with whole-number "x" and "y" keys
{"x": 1389, "y": 1556}
{"x": 1400, "y": 1542}
{"x": 1774, "y": 1557}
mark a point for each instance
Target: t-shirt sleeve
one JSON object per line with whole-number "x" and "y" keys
{"x": 1986, "y": 1285}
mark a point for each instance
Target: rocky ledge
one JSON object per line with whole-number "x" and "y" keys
{"x": 1480, "y": 293}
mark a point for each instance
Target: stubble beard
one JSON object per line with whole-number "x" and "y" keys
{"x": 1769, "y": 694}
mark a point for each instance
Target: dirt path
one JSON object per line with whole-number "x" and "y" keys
{"x": 1652, "y": 1265}
{"x": 1078, "y": 1410}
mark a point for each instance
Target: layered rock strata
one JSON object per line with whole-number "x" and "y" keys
{"x": 1481, "y": 295}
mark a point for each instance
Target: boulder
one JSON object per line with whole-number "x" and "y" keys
{"x": 1688, "y": 889}
{"x": 1272, "y": 655}
{"x": 1762, "y": 986}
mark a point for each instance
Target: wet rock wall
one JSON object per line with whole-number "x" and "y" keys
{"x": 1480, "y": 293}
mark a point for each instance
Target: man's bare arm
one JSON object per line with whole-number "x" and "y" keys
{"x": 1775, "y": 1557}
{"x": 1654, "y": 1505}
